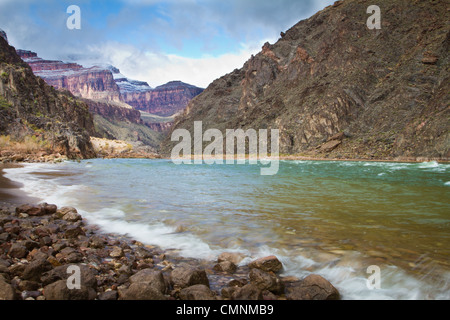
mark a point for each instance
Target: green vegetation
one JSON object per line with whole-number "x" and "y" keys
{"x": 28, "y": 144}
{"x": 33, "y": 143}
{"x": 4, "y": 104}
{"x": 5, "y": 141}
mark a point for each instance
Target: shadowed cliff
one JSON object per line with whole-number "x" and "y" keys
{"x": 36, "y": 114}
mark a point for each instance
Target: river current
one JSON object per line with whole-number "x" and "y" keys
{"x": 332, "y": 218}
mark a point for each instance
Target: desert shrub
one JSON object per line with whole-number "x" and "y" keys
{"x": 5, "y": 141}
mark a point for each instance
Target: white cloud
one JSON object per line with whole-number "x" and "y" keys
{"x": 158, "y": 68}
{"x": 204, "y": 21}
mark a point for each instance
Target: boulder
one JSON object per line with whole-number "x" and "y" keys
{"x": 30, "y": 210}
{"x": 73, "y": 232}
{"x": 227, "y": 292}
{"x": 69, "y": 255}
{"x": 30, "y": 244}
{"x": 197, "y": 292}
{"x": 3, "y": 269}
{"x": 26, "y": 285}
{"x": 247, "y": 292}
{"x": 17, "y": 269}
{"x": 270, "y": 263}
{"x": 108, "y": 295}
{"x": 49, "y": 208}
{"x": 72, "y": 216}
{"x": 141, "y": 291}
{"x": 313, "y": 287}
{"x": 63, "y": 211}
{"x": 4, "y": 237}
{"x": 235, "y": 257}
{"x": 7, "y": 291}
{"x": 18, "y": 251}
{"x": 266, "y": 281}
{"x": 35, "y": 269}
{"x": 225, "y": 266}
{"x": 97, "y": 242}
{"x": 5, "y": 219}
{"x": 186, "y": 275}
{"x": 87, "y": 275}
{"x": 339, "y": 136}
{"x": 60, "y": 244}
{"x": 60, "y": 291}
{"x": 41, "y": 232}
{"x": 151, "y": 277}
{"x": 331, "y": 145}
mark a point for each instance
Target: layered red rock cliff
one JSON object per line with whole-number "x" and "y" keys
{"x": 165, "y": 100}
{"x": 89, "y": 83}
{"x": 107, "y": 83}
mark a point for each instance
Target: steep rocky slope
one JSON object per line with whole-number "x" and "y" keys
{"x": 336, "y": 89}
{"x": 118, "y": 121}
{"x": 3, "y": 35}
{"x": 112, "y": 110}
{"x": 31, "y": 109}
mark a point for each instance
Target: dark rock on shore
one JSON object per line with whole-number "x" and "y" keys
{"x": 225, "y": 266}
{"x": 18, "y": 251}
{"x": 141, "y": 291}
{"x": 268, "y": 264}
{"x": 248, "y": 292}
{"x": 234, "y": 257}
{"x": 7, "y": 292}
{"x": 153, "y": 278}
{"x": 186, "y": 276}
{"x": 266, "y": 281}
{"x": 59, "y": 291}
{"x": 37, "y": 250}
{"x": 197, "y": 292}
{"x": 313, "y": 287}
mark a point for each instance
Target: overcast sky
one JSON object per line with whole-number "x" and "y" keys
{"x": 195, "y": 41}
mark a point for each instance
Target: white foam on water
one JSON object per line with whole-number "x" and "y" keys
{"x": 159, "y": 234}
{"x": 110, "y": 220}
{"x": 351, "y": 279}
{"x": 429, "y": 164}
{"x": 447, "y": 183}
{"x": 299, "y": 161}
{"x": 44, "y": 189}
{"x": 348, "y": 279}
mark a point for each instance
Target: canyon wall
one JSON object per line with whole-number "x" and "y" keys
{"x": 31, "y": 109}
{"x": 335, "y": 88}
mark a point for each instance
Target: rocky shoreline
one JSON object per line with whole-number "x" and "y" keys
{"x": 17, "y": 157}
{"x": 41, "y": 245}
